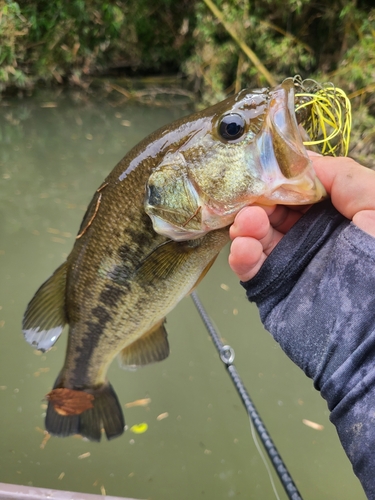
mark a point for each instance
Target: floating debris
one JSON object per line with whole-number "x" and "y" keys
{"x": 64, "y": 234}
{"x": 138, "y": 402}
{"x": 139, "y": 428}
{"x": 41, "y": 370}
{"x": 162, "y": 416}
{"x": 84, "y": 455}
{"x": 313, "y": 425}
{"x": 46, "y": 438}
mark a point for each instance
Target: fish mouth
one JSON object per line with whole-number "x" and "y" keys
{"x": 284, "y": 162}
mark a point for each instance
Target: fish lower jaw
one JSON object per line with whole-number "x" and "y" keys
{"x": 281, "y": 197}
{"x": 301, "y": 189}
{"x": 286, "y": 196}
{"x": 211, "y": 218}
{"x": 174, "y": 232}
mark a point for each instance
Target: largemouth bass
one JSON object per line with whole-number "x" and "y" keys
{"x": 151, "y": 232}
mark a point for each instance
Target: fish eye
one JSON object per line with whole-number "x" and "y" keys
{"x": 231, "y": 127}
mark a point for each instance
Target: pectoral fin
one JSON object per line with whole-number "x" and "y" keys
{"x": 151, "y": 347}
{"x": 164, "y": 261}
{"x": 203, "y": 274}
{"x": 45, "y": 316}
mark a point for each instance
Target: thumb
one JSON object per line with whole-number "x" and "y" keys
{"x": 350, "y": 185}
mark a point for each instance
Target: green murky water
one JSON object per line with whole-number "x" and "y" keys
{"x": 51, "y": 161}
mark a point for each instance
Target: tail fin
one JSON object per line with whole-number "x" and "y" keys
{"x": 65, "y": 416}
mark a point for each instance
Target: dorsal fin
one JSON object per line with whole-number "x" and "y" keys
{"x": 151, "y": 347}
{"x": 45, "y": 317}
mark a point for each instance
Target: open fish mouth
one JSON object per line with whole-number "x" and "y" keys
{"x": 302, "y": 115}
{"x": 284, "y": 163}
{"x": 274, "y": 168}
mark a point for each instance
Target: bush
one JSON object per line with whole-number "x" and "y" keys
{"x": 65, "y": 41}
{"x": 13, "y": 27}
{"x": 333, "y": 40}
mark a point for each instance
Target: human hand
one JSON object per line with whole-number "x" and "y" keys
{"x": 257, "y": 230}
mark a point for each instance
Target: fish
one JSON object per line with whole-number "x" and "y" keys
{"x": 152, "y": 231}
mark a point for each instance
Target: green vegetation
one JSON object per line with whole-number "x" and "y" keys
{"x": 247, "y": 43}
{"x": 64, "y": 41}
{"x": 306, "y": 38}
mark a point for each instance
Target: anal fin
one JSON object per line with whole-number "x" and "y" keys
{"x": 151, "y": 347}
{"x": 45, "y": 317}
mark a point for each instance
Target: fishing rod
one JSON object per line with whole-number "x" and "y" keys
{"x": 226, "y": 354}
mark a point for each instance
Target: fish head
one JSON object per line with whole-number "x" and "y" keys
{"x": 247, "y": 149}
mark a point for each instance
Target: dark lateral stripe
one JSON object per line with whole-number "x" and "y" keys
{"x": 108, "y": 301}
{"x": 111, "y": 295}
{"x": 102, "y": 314}
{"x": 90, "y": 340}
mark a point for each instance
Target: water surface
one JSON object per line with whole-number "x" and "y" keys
{"x": 54, "y": 154}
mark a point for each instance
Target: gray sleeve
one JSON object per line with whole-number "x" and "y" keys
{"x": 316, "y": 295}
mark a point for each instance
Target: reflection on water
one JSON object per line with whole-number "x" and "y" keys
{"x": 53, "y": 156}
